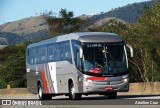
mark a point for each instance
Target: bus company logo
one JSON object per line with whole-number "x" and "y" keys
{"x": 6, "y": 102}
{"x": 108, "y": 83}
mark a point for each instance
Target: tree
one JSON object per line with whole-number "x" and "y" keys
{"x": 144, "y": 36}
{"x": 13, "y": 65}
{"x": 65, "y": 23}
{"x": 63, "y": 13}
{"x": 14, "y": 71}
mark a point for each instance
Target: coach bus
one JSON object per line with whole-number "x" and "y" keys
{"x": 78, "y": 64}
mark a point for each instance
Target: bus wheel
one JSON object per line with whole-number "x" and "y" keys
{"x": 112, "y": 95}
{"x": 41, "y": 95}
{"x": 72, "y": 94}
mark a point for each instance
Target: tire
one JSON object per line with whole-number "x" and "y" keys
{"x": 41, "y": 95}
{"x": 48, "y": 97}
{"x": 72, "y": 94}
{"x": 112, "y": 95}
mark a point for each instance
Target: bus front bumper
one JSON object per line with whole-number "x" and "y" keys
{"x": 104, "y": 87}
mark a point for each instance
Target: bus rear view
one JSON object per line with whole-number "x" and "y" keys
{"x": 97, "y": 64}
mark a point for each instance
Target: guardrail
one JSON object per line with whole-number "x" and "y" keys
{"x": 150, "y": 88}
{"x": 14, "y": 91}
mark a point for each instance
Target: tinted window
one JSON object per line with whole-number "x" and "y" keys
{"x": 58, "y": 54}
{"x": 44, "y": 54}
{"x": 67, "y": 51}
{"x": 51, "y": 52}
{"x": 75, "y": 49}
{"x": 36, "y": 55}
{"x": 104, "y": 59}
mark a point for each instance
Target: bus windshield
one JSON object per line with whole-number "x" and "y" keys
{"x": 104, "y": 59}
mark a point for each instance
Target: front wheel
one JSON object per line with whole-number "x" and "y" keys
{"x": 41, "y": 95}
{"x": 112, "y": 95}
{"x": 72, "y": 94}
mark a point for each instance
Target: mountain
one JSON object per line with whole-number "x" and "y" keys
{"x": 104, "y": 21}
{"x": 33, "y": 29}
{"x": 25, "y": 26}
{"x": 128, "y": 13}
{"x": 84, "y": 16}
{"x": 7, "y": 38}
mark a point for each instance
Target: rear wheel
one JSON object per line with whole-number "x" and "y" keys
{"x": 72, "y": 94}
{"x": 112, "y": 95}
{"x": 41, "y": 95}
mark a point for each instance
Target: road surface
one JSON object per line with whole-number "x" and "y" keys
{"x": 89, "y": 97}
{"x": 89, "y": 100}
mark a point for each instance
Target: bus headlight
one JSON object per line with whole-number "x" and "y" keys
{"x": 125, "y": 80}
{"x": 89, "y": 81}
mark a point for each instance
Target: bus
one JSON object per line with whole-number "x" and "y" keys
{"x": 77, "y": 64}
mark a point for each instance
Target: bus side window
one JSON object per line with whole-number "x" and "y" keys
{"x": 32, "y": 56}
{"x": 36, "y": 55}
{"x": 58, "y": 54}
{"x": 51, "y": 52}
{"x": 74, "y": 43}
{"x": 44, "y": 54}
{"x": 62, "y": 45}
{"x": 67, "y": 51}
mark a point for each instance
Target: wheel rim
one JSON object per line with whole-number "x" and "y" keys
{"x": 40, "y": 92}
{"x": 72, "y": 91}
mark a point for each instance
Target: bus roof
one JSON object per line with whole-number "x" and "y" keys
{"x": 83, "y": 37}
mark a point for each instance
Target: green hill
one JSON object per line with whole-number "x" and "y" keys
{"x": 128, "y": 13}
{"x": 25, "y": 26}
{"x": 35, "y": 28}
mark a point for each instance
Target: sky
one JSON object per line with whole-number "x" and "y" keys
{"x": 12, "y": 10}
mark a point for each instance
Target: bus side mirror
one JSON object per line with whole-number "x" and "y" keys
{"x": 131, "y": 49}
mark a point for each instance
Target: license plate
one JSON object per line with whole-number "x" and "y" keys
{"x": 108, "y": 88}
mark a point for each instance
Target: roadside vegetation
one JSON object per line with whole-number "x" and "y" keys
{"x": 12, "y": 66}
{"x": 144, "y": 36}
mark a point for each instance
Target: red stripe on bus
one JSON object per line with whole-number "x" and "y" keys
{"x": 44, "y": 81}
{"x": 97, "y": 78}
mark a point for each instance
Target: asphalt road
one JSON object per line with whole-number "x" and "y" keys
{"x": 91, "y": 101}
{"x": 89, "y": 97}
